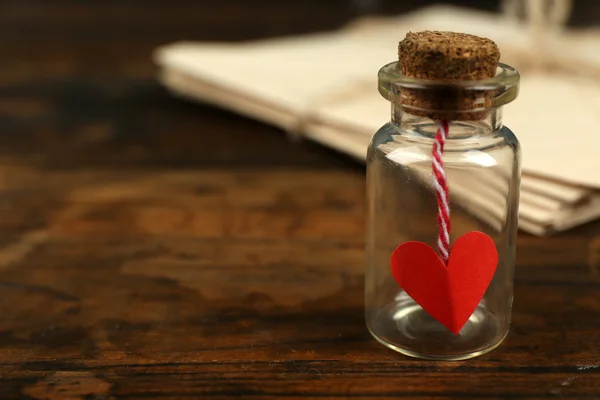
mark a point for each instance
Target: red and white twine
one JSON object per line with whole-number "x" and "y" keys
{"x": 441, "y": 191}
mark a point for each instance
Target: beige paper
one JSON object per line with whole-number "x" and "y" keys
{"x": 323, "y": 87}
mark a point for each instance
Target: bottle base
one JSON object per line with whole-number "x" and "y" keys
{"x": 437, "y": 357}
{"x": 405, "y": 327}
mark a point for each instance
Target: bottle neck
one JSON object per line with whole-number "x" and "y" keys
{"x": 460, "y": 129}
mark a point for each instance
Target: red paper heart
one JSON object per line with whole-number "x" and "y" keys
{"x": 449, "y": 294}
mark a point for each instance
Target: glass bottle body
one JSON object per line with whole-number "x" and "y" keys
{"x": 482, "y": 164}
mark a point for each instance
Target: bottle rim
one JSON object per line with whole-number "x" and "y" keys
{"x": 503, "y": 88}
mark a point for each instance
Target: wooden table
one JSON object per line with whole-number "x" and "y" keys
{"x": 154, "y": 249}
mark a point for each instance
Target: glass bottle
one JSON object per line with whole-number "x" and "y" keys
{"x": 482, "y": 164}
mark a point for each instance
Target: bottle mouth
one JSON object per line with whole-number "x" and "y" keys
{"x": 457, "y": 99}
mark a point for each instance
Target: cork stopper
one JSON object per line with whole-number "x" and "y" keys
{"x": 447, "y": 57}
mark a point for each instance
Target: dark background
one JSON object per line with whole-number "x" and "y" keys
{"x": 76, "y": 22}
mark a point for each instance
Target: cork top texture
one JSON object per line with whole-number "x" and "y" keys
{"x": 446, "y": 57}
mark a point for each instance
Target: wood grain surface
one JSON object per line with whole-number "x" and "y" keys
{"x": 154, "y": 249}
